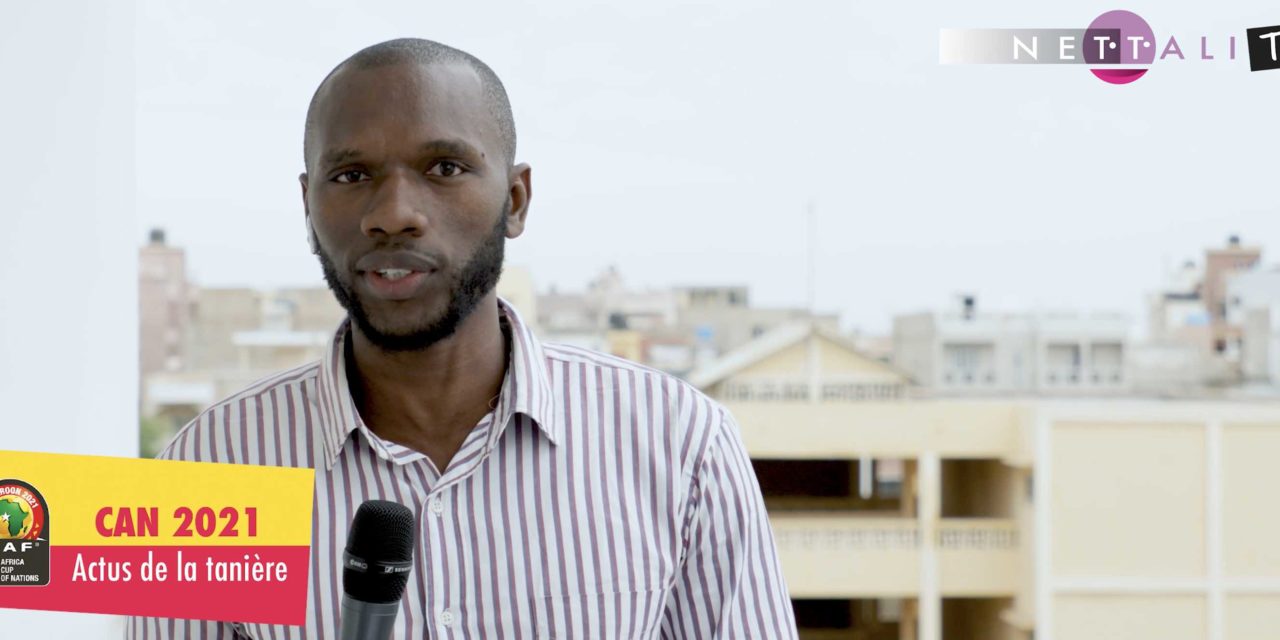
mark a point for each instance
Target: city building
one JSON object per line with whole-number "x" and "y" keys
{"x": 234, "y": 336}
{"x": 1220, "y": 264}
{"x": 1177, "y": 312}
{"x": 674, "y": 330}
{"x": 721, "y": 318}
{"x": 964, "y": 352}
{"x": 1176, "y": 358}
{"x": 901, "y": 517}
{"x": 163, "y": 297}
{"x": 200, "y": 344}
{"x": 585, "y": 319}
{"x": 1253, "y": 305}
{"x": 1199, "y": 323}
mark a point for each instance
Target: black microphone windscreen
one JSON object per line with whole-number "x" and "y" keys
{"x": 379, "y": 552}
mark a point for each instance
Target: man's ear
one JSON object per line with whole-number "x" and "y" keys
{"x": 302, "y": 179}
{"x": 520, "y": 192}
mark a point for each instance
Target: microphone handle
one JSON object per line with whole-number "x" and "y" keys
{"x": 367, "y": 620}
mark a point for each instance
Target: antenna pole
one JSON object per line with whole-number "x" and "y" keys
{"x": 812, "y": 246}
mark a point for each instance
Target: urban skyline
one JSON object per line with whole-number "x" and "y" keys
{"x": 1135, "y": 309}
{"x": 1212, "y": 328}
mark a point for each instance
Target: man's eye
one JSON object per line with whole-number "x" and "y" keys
{"x": 348, "y": 177}
{"x": 446, "y": 169}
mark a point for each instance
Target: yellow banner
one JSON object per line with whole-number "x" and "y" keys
{"x": 101, "y": 501}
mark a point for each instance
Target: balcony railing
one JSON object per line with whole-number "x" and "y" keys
{"x": 843, "y": 555}
{"x": 1063, "y": 376}
{"x": 843, "y": 533}
{"x": 980, "y": 534}
{"x": 1106, "y": 376}
{"x": 959, "y": 377}
{"x": 978, "y": 557}
{"x": 801, "y": 391}
{"x": 852, "y": 532}
{"x": 1098, "y": 376}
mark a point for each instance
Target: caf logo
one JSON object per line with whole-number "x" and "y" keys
{"x": 24, "y": 535}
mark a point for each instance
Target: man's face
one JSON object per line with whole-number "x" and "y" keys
{"x": 411, "y": 198}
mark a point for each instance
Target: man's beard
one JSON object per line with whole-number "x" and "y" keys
{"x": 467, "y": 287}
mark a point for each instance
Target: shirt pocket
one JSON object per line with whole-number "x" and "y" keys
{"x": 620, "y": 615}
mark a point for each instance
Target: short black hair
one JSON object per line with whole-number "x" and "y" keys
{"x": 424, "y": 52}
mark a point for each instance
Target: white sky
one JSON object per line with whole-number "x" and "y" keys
{"x": 682, "y": 141}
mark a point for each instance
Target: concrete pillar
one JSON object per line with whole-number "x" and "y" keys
{"x": 909, "y": 491}
{"x": 907, "y": 621}
{"x": 929, "y": 478}
{"x": 1213, "y": 535}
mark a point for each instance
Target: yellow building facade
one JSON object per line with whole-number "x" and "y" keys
{"x": 899, "y": 516}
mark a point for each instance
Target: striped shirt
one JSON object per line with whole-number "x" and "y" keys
{"x": 599, "y": 499}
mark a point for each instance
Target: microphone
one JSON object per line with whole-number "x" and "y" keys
{"x": 375, "y": 569}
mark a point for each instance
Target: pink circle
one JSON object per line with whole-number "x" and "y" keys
{"x": 1116, "y": 41}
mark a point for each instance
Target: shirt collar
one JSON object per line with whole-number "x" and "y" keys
{"x": 526, "y": 387}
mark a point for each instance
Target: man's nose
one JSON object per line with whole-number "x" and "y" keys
{"x": 397, "y": 209}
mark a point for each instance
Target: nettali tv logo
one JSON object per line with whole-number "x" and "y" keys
{"x": 1118, "y": 47}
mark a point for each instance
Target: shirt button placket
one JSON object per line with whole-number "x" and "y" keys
{"x": 445, "y": 618}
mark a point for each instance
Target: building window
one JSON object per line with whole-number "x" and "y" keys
{"x": 978, "y": 488}
{"x": 823, "y": 614}
{"x": 1063, "y": 364}
{"x": 969, "y": 364}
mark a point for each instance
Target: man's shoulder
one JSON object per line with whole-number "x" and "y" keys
{"x": 575, "y": 354}
{"x": 693, "y": 416}
{"x": 234, "y": 428}
{"x": 656, "y": 379}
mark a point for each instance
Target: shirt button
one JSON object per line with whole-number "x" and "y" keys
{"x": 437, "y": 507}
{"x": 446, "y": 617}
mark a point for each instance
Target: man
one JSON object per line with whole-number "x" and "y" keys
{"x": 560, "y": 493}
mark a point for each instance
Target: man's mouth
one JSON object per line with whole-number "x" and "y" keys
{"x": 397, "y": 284}
{"x": 394, "y": 274}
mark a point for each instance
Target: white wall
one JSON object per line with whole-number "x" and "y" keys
{"x": 68, "y": 320}
{"x": 1256, "y": 288}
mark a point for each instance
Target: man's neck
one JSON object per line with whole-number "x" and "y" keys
{"x": 429, "y": 400}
